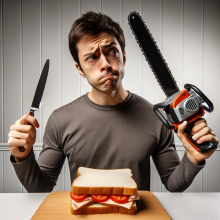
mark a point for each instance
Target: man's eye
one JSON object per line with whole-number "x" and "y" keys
{"x": 91, "y": 58}
{"x": 113, "y": 51}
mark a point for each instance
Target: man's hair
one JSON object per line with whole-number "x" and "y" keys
{"x": 93, "y": 23}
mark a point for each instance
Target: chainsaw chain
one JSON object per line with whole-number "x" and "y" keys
{"x": 134, "y": 12}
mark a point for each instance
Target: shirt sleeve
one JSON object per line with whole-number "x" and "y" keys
{"x": 176, "y": 175}
{"x": 41, "y": 175}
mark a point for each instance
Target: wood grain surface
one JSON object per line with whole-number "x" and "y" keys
{"x": 56, "y": 206}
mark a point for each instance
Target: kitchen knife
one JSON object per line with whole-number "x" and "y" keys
{"x": 38, "y": 94}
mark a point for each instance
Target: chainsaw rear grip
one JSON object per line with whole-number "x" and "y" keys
{"x": 203, "y": 147}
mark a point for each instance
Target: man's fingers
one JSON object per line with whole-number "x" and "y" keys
{"x": 14, "y": 142}
{"x": 199, "y": 120}
{"x": 198, "y": 127}
{"x": 20, "y": 135}
{"x": 215, "y": 140}
{"x": 28, "y": 118}
{"x": 208, "y": 137}
{"x": 24, "y": 128}
{"x": 199, "y": 134}
{"x": 212, "y": 133}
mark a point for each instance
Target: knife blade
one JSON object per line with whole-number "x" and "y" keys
{"x": 38, "y": 94}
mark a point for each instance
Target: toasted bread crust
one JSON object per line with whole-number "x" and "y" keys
{"x": 86, "y": 210}
{"x": 103, "y": 190}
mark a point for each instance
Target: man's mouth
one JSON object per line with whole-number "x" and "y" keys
{"x": 110, "y": 83}
{"x": 110, "y": 76}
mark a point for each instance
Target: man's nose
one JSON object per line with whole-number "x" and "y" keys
{"x": 105, "y": 65}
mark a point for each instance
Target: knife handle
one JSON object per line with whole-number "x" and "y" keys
{"x": 21, "y": 148}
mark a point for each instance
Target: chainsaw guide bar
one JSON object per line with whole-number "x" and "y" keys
{"x": 152, "y": 54}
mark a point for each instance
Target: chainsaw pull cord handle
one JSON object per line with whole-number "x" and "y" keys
{"x": 202, "y": 95}
{"x": 161, "y": 117}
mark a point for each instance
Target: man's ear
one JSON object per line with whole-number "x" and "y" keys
{"x": 80, "y": 71}
{"x": 124, "y": 57}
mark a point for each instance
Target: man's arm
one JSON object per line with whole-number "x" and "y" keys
{"x": 176, "y": 175}
{"x": 41, "y": 175}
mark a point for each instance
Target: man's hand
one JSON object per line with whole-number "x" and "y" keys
{"x": 201, "y": 132}
{"x": 22, "y": 135}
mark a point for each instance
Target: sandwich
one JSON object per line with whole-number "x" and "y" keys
{"x": 102, "y": 191}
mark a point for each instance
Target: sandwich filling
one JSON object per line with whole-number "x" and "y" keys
{"x": 119, "y": 200}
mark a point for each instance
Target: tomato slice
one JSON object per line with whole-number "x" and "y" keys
{"x": 100, "y": 198}
{"x": 119, "y": 198}
{"x": 78, "y": 197}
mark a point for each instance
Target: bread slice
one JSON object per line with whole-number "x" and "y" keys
{"x": 98, "y": 208}
{"x": 104, "y": 181}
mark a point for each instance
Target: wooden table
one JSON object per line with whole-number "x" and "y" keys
{"x": 57, "y": 206}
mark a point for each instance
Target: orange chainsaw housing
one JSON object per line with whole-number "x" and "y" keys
{"x": 183, "y": 95}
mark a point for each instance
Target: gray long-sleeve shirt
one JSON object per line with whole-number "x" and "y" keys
{"x": 106, "y": 137}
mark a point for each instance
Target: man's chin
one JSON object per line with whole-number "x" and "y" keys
{"x": 107, "y": 89}
{"x": 110, "y": 87}
{"x": 110, "y": 84}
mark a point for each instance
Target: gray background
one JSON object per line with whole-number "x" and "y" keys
{"x": 187, "y": 32}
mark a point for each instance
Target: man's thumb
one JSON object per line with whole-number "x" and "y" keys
{"x": 181, "y": 128}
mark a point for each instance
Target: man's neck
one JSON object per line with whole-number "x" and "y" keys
{"x": 111, "y": 98}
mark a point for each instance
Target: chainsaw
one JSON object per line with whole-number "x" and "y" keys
{"x": 188, "y": 104}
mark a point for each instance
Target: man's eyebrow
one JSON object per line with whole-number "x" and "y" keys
{"x": 109, "y": 45}
{"x": 104, "y": 46}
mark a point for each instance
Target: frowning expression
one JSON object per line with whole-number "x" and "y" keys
{"x": 102, "y": 61}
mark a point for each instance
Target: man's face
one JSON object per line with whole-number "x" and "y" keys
{"x": 102, "y": 61}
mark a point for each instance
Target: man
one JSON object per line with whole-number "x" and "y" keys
{"x": 107, "y": 128}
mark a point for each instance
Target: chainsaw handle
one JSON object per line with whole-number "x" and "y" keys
{"x": 161, "y": 117}
{"x": 202, "y": 95}
{"x": 203, "y": 147}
